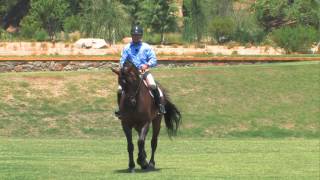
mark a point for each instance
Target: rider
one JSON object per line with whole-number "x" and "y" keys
{"x": 143, "y": 57}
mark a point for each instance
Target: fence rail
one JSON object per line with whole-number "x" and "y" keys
{"x": 164, "y": 59}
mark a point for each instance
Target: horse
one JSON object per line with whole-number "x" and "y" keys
{"x": 138, "y": 110}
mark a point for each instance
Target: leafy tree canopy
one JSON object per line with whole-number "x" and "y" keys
{"x": 50, "y": 14}
{"x": 159, "y": 16}
{"x": 133, "y": 7}
{"x": 276, "y": 13}
{"x": 105, "y": 19}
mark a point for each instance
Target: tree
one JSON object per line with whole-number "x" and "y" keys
{"x": 247, "y": 28}
{"x": 50, "y": 14}
{"x": 133, "y": 7}
{"x": 220, "y": 8}
{"x": 199, "y": 14}
{"x": 12, "y": 11}
{"x": 104, "y": 19}
{"x": 195, "y": 19}
{"x": 305, "y": 12}
{"x": 75, "y": 6}
{"x": 5, "y": 6}
{"x": 273, "y": 14}
{"x": 159, "y": 15}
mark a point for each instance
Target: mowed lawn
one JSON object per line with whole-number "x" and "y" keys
{"x": 276, "y": 100}
{"x": 182, "y": 158}
{"x": 257, "y": 121}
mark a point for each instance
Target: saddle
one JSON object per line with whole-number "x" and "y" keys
{"x": 150, "y": 91}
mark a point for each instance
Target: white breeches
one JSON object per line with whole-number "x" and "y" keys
{"x": 150, "y": 82}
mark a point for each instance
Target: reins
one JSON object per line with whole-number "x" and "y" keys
{"x": 137, "y": 90}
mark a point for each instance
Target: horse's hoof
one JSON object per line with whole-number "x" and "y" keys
{"x": 144, "y": 166}
{"x": 131, "y": 170}
{"x": 143, "y": 163}
{"x": 152, "y": 166}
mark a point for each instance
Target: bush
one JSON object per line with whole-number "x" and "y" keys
{"x": 152, "y": 38}
{"x": 173, "y": 38}
{"x": 247, "y": 29}
{"x": 73, "y": 37}
{"x": 221, "y": 29}
{"x": 71, "y": 24}
{"x": 295, "y": 39}
{"x": 29, "y": 26}
{"x": 40, "y": 35}
{"x": 4, "y": 35}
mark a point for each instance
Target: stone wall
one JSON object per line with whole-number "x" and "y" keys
{"x": 28, "y": 66}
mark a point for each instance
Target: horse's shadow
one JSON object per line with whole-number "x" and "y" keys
{"x": 125, "y": 171}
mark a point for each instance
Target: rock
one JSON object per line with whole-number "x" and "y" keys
{"x": 126, "y": 40}
{"x": 12, "y": 29}
{"x": 58, "y": 67}
{"x": 18, "y": 68}
{"x": 91, "y": 43}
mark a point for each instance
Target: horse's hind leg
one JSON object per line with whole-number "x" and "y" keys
{"x": 154, "y": 141}
{"x": 128, "y": 132}
{"x": 142, "y": 153}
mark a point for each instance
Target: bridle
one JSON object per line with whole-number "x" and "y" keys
{"x": 133, "y": 97}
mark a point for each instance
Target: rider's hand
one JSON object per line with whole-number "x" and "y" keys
{"x": 144, "y": 67}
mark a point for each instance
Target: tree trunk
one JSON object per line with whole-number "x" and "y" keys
{"x": 162, "y": 36}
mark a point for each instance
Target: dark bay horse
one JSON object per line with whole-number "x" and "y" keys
{"x": 138, "y": 110}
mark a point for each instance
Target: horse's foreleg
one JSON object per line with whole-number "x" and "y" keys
{"x": 128, "y": 132}
{"x": 141, "y": 141}
{"x": 154, "y": 141}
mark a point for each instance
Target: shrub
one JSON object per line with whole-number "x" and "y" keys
{"x": 73, "y": 37}
{"x": 221, "y": 28}
{"x": 71, "y": 24}
{"x": 4, "y": 35}
{"x": 247, "y": 29}
{"x": 173, "y": 38}
{"x": 295, "y": 39}
{"x": 40, "y": 35}
{"x": 152, "y": 38}
{"x": 29, "y": 25}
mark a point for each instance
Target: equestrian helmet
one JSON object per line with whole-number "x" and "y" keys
{"x": 136, "y": 30}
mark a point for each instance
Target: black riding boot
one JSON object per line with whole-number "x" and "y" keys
{"x": 117, "y": 111}
{"x": 158, "y": 101}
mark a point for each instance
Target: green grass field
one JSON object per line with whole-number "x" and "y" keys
{"x": 187, "y": 158}
{"x": 239, "y": 122}
{"x": 266, "y": 100}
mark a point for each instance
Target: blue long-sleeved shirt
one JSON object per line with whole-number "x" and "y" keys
{"x": 139, "y": 54}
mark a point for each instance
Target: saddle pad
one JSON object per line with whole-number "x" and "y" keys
{"x": 146, "y": 84}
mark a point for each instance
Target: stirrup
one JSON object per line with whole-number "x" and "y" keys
{"x": 117, "y": 113}
{"x": 162, "y": 109}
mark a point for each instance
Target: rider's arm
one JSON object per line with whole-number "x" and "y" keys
{"x": 152, "y": 59}
{"x": 124, "y": 56}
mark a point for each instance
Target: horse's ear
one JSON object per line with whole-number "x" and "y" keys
{"x": 115, "y": 70}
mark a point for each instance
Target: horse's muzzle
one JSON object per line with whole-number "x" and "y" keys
{"x": 133, "y": 101}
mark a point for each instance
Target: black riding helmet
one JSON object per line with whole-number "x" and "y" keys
{"x": 136, "y": 30}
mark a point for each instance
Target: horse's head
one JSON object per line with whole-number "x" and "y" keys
{"x": 129, "y": 75}
{"x": 129, "y": 79}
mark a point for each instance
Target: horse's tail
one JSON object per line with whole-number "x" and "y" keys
{"x": 172, "y": 118}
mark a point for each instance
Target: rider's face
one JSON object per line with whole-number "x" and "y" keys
{"x": 136, "y": 38}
